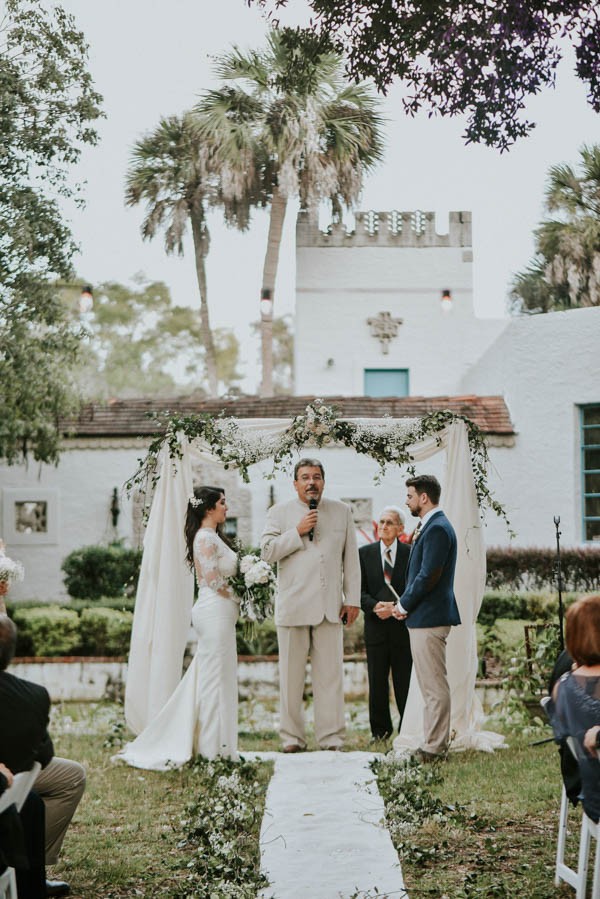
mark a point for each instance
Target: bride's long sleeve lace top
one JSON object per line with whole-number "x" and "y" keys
{"x": 214, "y": 562}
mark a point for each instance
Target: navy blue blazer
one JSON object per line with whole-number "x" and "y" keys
{"x": 429, "y": 596}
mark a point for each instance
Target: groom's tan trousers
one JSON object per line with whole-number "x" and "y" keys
{"x": 325, "y": 642}
{"x": 428, "y": 649}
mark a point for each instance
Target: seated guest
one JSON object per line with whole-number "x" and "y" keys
{"x": 386, "y": 638}
{"x": 22, "y": 841}
{"x": 24, "y": 739}
{"x": 569, "y": 768}
{"x": 576, "y": 695}
{"x": 591, "y": 741}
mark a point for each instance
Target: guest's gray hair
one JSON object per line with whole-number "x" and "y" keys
{"x": 396, "y": 510}
{"x": 8, "y": 641}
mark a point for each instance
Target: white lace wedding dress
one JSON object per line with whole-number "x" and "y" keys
{"x": 201, "y": 715}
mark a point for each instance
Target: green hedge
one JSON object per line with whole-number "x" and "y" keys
{"x": 105, "y": 632}
{"x": 47, "y": 631}
{"x": 95, "y": 571}
{"x": 60, "y": 631}
{"x": 534, "y": 569}
{"x": 519, "y": 606}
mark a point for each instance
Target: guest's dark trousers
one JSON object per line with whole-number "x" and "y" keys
{"x": 391, "y": 653}
{"x": 31, "y": 882}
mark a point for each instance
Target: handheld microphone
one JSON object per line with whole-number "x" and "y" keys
{"x": 312, "y": 504}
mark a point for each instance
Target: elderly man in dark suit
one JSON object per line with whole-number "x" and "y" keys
{"x": 383, "y": 564}
{"x": 429, "y": 606}
{"x": 24, "y": 739}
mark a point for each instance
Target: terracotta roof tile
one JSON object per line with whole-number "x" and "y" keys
{"x": 132, "y": 417}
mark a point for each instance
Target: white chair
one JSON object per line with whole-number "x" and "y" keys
{"x": 561, "y": 870}
{"x": 577, "y": 879}
{"x": 16, "y": 794}
{"x": 589, "y": 831}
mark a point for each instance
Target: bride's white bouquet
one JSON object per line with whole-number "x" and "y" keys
{"x": 10, "y": 571}
{"x": 255, "y": 585}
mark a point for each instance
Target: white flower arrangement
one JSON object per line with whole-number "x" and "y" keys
{"x": 11, "y": 572}
{"x": 255, "y": 586}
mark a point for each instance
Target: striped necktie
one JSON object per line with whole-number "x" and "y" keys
{"x": 388, "y": 568}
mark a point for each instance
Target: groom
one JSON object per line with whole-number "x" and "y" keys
{"x": 430, "y": 609}
{"x": 313, "y": 541}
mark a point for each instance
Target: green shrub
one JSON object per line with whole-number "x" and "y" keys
{"x": 120, "y": 603}
{"x": 262, "y": 641}
{"x": 47, "y": 631}
{"x": 105, "y": 632}
{"x": 526, "y": 606}
{"x": 532, "y": 568}
{"x": 95, "y": 571}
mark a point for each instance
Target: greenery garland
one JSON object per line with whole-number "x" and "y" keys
{"x": 221, "y": 830}
{"x": 387, "y": 442}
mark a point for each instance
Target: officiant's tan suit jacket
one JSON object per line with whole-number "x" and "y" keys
{"x": 314, "y": 578}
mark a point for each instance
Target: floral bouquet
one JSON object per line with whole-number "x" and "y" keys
{"x": 10, "y": 571}
{"x": 255, "y": 585}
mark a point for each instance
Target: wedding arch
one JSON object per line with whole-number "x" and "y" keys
{"x": 165, "y": 589}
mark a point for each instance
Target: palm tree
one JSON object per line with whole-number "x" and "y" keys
{"x": 171, "y": 172}
{"x": 291, "y": 124}
{"x": 566, "y": 270}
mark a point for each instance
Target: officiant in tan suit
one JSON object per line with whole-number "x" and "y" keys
{"x": 313, "y": 542}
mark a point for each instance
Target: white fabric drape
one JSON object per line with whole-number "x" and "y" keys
{"x": 165, "y": 590}
{"x": 164, "y": 598}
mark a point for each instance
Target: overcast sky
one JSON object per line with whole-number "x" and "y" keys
{"x": 151, "y": 58}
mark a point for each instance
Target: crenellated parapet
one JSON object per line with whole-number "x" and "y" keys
{"x": 386, "y": 229}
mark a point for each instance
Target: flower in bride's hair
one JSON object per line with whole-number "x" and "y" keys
{"x": 194, "y": 501}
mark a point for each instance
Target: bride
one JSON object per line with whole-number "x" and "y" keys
{"x": 201, "y": 715}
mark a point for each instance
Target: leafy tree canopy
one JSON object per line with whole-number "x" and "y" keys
{"x": 140, "y": 344}
{"x": 47, "y": 109}
{"x": 565, "y": 271}
{"x": 478, "y": 58}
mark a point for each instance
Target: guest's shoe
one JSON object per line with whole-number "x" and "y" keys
{"x": 294, "y": 747}
{"x": 57, "y": 888}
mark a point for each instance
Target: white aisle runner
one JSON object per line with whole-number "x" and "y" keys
{"x": 322, "y": 835}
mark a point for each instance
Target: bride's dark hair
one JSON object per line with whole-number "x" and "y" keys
{"x": 205, "y": 499}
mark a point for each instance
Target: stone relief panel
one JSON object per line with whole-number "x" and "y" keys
{"x": 30, "y": 515}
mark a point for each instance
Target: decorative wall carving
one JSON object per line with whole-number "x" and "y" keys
{"x": 384, "y": 327}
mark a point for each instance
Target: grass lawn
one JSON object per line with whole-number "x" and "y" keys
{"x": 497, "y": 839}
{"x": 488, "y": 827}
{"x": 126, "y": 835}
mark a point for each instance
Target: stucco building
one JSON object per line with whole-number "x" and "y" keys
{"x": 384, "y": 325}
